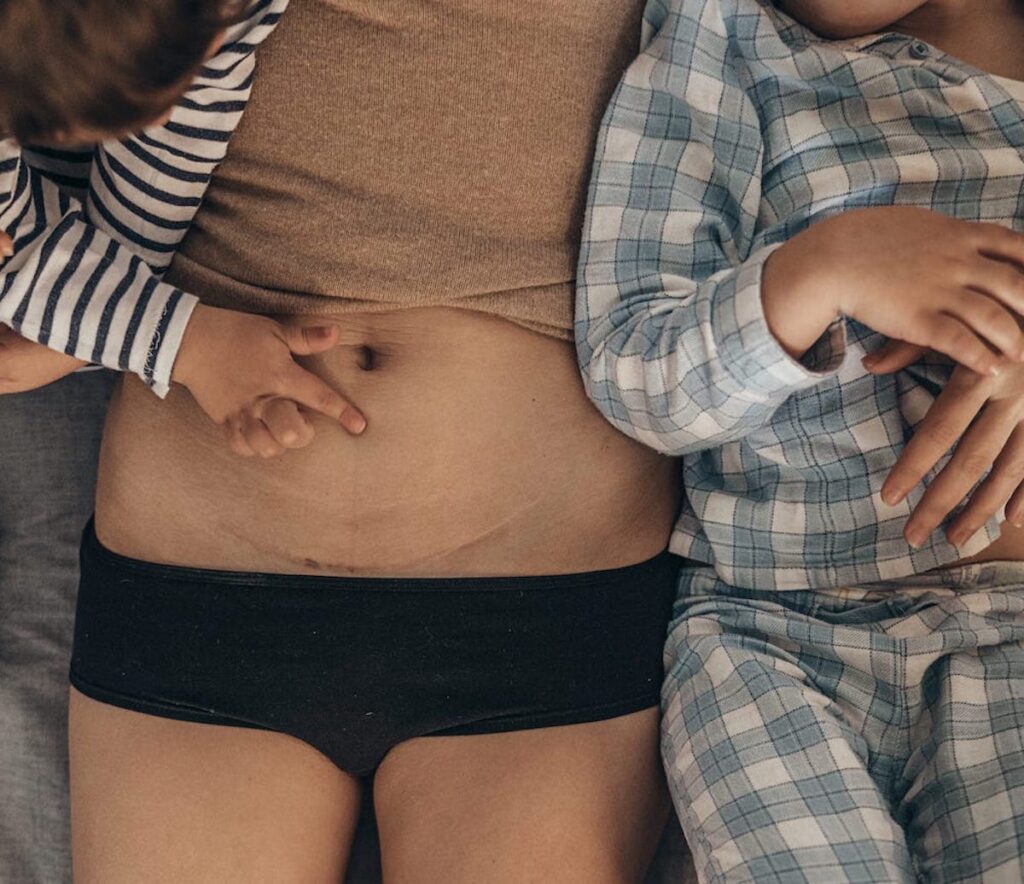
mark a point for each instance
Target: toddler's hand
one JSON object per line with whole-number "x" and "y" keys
{"x": 239, "y": 368}
{"x": 6, "y": 247}
{"x": 912, "y": 274}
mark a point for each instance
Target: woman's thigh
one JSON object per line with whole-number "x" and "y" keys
{"x": 579, "y": 803}
{"x": 159, "y": 800}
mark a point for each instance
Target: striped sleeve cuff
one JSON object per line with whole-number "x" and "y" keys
{"x": 157, "y": 347}
{"x": 78, "y": 292}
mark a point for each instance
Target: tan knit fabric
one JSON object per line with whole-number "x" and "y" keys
{"x": 401, "y": 153}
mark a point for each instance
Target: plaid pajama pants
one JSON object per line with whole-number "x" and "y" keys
{"x": 869, "y": 734}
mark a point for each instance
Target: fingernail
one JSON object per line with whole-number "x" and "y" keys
{"x": 961, "y": 535}
{"x": 1017, "y": 521}
{"x": 916, "y": 538}
{"x": 893, "y": 496}
{"x": 870, "y": 360}
{"x": 353, "y": 421}
{"x": 993, "y": 370}
{"x": 7, "y": 251}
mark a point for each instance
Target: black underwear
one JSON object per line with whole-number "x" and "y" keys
{"x": 355, "y": 666}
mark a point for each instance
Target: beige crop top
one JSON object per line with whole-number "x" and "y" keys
{"x": 413, "y": 153}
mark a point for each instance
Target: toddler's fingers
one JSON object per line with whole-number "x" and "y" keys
{"x": 949, "y": 335}
{"x": 998, "y": 242}
{"x": 258, "y": 437}
{"x": 6, "y": 246}
{"x": 1001, "y": 279}
{"x": 233, "y": 433}
{"x": 310, "y": 339}
{"x": 892, "y": 356}
{"x": 286, "y": 423}
{"x": 984, "y": 311}
{"x": 307, "y": 389}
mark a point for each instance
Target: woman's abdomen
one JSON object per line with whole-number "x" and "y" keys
{"x": 482, "y": 456}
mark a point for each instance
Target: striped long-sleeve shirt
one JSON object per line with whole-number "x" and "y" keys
{"x": 94, "y": 230}
{"x": 735, "y": 129}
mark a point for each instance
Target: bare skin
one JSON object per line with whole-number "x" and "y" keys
{"x": 838, "y": 19}
{"x": 985, "y": 33}
{"x": 485, "y": 458}
{"x": 462, "y": 410}
{"x": 481, "y": 456}
{"x": 167, "y": 801}
{"x": 524, "y": 807}
{"x": 239, "y": 367}
{"x": 989, "y": 36}
{"x": 892, "y": 269}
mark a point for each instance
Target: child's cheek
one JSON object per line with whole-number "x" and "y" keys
{"x": 840, "y": 19}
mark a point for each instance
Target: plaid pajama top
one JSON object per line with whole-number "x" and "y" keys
{"x": 735, "y": 129}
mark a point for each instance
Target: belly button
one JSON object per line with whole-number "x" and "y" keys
{"x": 367, "y": 358}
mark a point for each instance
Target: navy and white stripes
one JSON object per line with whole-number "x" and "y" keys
{"x": 85, "y": 279}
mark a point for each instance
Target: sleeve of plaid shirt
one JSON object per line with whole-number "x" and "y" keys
{"x": 672, "y": 339}
{"x": 85, "y": 279}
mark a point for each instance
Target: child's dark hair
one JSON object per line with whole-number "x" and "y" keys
{"x": 108, "y": 65}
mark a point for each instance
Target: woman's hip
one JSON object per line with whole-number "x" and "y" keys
{"x": 354, "y": 666}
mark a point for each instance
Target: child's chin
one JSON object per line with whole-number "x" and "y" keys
{"x": 845, "y": 22}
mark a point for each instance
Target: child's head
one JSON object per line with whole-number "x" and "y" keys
{"x": 86, "y": 70}
{"x": 842, "y": 18}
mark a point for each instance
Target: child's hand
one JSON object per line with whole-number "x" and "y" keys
{"x": 982, "y": 416}
{"x": 6, "y": 247}
{"x": 911, "y": 274}
{"x": 26, "y": 365}
{"x": 239, "y": 368}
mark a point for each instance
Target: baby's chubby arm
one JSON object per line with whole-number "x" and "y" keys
{"x": 840, "y": 19}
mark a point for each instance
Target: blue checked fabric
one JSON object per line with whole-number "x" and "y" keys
{"x": 735, "y": 129}
{"x": 870, "y": 735}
